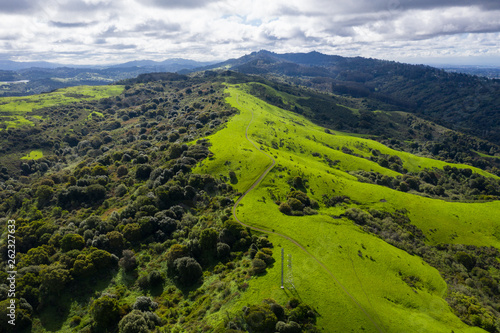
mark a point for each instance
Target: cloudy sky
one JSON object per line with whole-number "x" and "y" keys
{"x": 106, "y": 31}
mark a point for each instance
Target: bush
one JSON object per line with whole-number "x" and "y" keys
{"x": 295, "y": 204}
{"x": 133, "y": 322}
{"x": 72, "y": 242}
{"x": 155, "y": 279}
{"x": 258, "y": 266}
{"x": 223, "y": 250}
{"x": 208, "y": 240}
{"x": 105, "y": 312}
{"x": 144, "y": 303}
{"x": 99, "y": 170}
{"x": 466, "y": 259}
{"x": 188, "y": 270}
{"x": 128, "y": 262}
{"x": 290, "y": 327}
{"x": 44, "y": 194}
{"x": 121, "y": 190}
{"x": 261, "y": 319}
{"x": 285, "y": 208}
{"x": 138, "y": 322}
{"x": 122, "y": 171}
{"x": 132, "y": 232}
{"x": 176, "y": 251}
{"x": 143, "y": 171}
{"x": 96, "y": 192}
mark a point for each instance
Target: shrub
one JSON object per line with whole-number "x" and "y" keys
{"x": 176, "y": 251}
{"x": 144, "y": 303}
{"x": 99, "y": 170}
{"x": 128, "y": 262}
{"x": 295, "y": 204}
{"x": 122, "y": 171}
{"x": 223, "y": 250}
{"x": 258, "y": 266}
{"x": 72, "y": 242}
{"x": 121, "y": 190}
{"x": 143, "y": 171}
{"x": 285, "y": 208}
{"x": 96, "y": 192}
{"x": 261, "y": 319}
{"x": 278, "y": 311}
{"x": 132, "y": 232}
{"x": 208, "y": 239}
{"x": 105, "y": 312}
{"x": 44, "y": 194}
{"x": 155, "y": 278}
{"x": 267, "y": 258}
{"x": 138, "y": 322}
{"x": 188, "y": 270}
{"x": 466, "y": 259}
{"x": 290, "y": 327}
{"x": 133, "y": 322}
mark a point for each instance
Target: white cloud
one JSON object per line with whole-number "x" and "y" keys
{"x": 112, "y": 31}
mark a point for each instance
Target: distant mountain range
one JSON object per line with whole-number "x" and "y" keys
{"x": 174, "y": 64}
{"x": 456, "y": 100}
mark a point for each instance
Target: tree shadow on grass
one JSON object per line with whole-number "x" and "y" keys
{"x": 55, "y": 313}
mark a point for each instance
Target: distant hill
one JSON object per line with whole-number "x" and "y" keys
{"x": 167, "y": 65}
{"x": 44, "y": 76}
{"x": 459, "y": 101}
{"x": 15, "y": 65}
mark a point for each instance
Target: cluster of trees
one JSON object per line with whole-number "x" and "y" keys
{"x": 270, "y": 316}
{"x": 450, "y": 146}
{"x": 298, "y": 203}
{"x": 471, "y": 272}
{"x": 448, "y": 183}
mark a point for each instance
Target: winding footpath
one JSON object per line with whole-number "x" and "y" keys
{"x": 254, "y": 185}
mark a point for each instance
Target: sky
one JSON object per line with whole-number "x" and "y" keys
{"x": 106, "y": 31}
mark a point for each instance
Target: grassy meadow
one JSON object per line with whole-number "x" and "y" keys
{"x": 14, "y": 111}
{"x": 355, "y": 280}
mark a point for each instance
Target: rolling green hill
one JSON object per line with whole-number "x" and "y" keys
{"x": 355, "y": 272}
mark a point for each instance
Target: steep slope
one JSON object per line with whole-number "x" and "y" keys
{"x": 371, "y": 279}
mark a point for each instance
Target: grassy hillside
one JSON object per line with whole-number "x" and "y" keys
{"x": 13, "y": 110}
{"x": 361, "y": 272}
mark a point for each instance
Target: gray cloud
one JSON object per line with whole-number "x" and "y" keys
{"x": 121, "y": 46}
{"x": 8, "y": 37}
{"x": 178, "y": 3}
{"x": 71, "y": 24}
{"x": 156, "y": 26}
{"x": 79, "y": 6}
{"x": 17, "y": 6}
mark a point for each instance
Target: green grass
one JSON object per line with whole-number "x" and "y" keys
{"x": 95, "y": 114}
{"x": 375, "y": 297}
{"x": 33, "y": 155}
{"x": 485, "y": 155}
{"x": 14, "y": 109}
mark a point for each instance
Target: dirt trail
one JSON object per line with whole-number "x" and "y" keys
{"x": 255, "y": 184}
